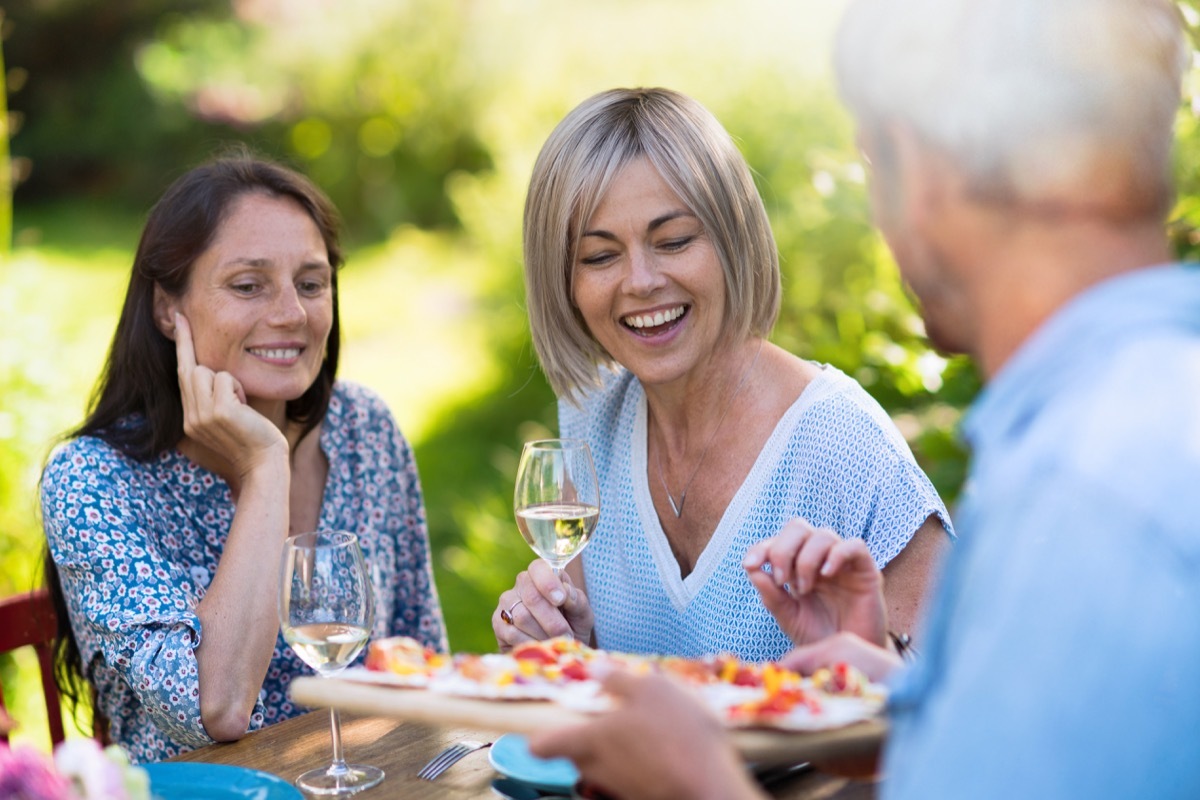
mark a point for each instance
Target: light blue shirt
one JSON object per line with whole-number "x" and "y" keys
{"x": 1062, "y": 659}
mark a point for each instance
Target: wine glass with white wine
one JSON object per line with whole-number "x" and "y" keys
{"x": 557, "y": 498}
{"x": 326, "y": 610}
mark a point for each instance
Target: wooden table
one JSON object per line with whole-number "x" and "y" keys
{"x": 401, "y": 748}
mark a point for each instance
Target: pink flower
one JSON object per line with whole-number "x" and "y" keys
{"x": 80, "y": 770}
{"x": 26, "y": 774}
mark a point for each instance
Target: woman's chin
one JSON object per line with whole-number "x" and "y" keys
{"x": 268, "y": 399}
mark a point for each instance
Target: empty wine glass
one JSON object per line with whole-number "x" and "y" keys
{"x": 557, "y": 498}
{"x": 326, "y": 611}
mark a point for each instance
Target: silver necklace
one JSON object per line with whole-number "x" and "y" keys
{"x": 678, "y": 508}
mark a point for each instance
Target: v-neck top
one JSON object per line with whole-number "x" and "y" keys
{"x": 834, "y": 459}
{"x": 137, "y": 545}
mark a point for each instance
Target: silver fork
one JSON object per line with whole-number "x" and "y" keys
{"x": 449, "y": 757}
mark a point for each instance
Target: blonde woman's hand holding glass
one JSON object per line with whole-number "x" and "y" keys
{"x": 556, "y": 503}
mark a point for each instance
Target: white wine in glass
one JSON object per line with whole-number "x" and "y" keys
{"x": 327, "y": 646}
{"x": 557, "y": 498}
{"x": 326, "y": 610}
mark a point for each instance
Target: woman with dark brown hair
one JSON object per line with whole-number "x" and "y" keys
{"x": 217, "y": 430}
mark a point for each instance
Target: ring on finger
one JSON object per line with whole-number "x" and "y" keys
{"x": 506, "y": 613}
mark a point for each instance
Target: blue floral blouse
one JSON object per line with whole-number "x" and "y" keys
{"x": 137, "y": 544}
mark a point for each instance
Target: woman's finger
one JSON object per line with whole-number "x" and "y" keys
{"x": 781, "y": 550}
{"x": 513, "y": 621}
{"x": 773, "y": 596}
{"x": 808, "y": 562}
{"x": 848, "y": 555}
{"x": 525, "y": 622}
{"x": 227, "y": 393}
{"x": 506, "y": 618}
{"x": 551, "y": 586}
{"x": 509, "y": 635}
{"x": 877, "y": 662}
{"x": 544, "y": 614}
{"x": 185, "y": 351}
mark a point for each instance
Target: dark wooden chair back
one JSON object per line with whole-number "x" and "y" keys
{"x": 29, "y": 620}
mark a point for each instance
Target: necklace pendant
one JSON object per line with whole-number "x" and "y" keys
{"x": 678, "y": 509}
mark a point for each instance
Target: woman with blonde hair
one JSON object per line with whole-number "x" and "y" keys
{"x": 653, "y": 282}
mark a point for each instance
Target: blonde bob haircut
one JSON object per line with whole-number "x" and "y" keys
{"x": 698, "y": 159}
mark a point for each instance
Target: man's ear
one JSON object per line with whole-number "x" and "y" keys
{"x": 165, "y": 307}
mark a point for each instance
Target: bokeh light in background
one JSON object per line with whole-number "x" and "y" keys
{"x": 422, "y": 120}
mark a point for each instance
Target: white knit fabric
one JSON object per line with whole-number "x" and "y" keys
{"x": 835, "y": 459}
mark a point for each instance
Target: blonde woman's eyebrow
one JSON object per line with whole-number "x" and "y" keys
{"x": 655, "y": 223}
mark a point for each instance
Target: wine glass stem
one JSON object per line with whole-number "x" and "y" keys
{"x": 338, "y": 767}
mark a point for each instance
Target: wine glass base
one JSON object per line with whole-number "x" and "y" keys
{"x": 329, "y": 782}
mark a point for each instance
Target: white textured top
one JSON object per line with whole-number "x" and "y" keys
{"x": 835, "y": 459}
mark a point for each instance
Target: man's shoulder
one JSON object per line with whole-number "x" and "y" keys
{"x": 1134, "y": 427}
{"x": 1145, "y": 399}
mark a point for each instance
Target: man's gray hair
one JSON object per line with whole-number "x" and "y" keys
{"x": 1033, "y": 99}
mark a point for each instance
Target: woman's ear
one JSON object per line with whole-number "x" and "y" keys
{"x": 165, "y": 307}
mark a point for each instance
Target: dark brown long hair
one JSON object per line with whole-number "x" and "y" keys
{"x": 136, "y": 406}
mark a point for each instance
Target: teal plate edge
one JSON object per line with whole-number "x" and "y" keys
{"x": 509, "y": 755}
{"x": 187, "y": 780}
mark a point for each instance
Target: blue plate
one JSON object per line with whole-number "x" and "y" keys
{"x": 510, "y": 756}
{"x": 196, "y": 781}
{"x": 515, "y": 790}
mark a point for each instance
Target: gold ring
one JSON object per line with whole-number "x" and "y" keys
{"x": 506, "y": 613}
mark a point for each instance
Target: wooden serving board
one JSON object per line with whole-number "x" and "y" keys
{"x": 763, "y": 747}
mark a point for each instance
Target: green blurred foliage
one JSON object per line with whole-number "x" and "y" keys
{"x": 83, "y": 121}
{"x": 367, "y": 98}
{"x": 422, "y": 119}
{"x": 1185, "y": 223}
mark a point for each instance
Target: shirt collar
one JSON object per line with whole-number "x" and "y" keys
{"x": 1081, "y": 333}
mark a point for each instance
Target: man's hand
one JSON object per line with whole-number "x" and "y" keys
{"x": 659, "y": 744}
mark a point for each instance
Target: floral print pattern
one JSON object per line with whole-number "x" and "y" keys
{"x": 137, "y": 544}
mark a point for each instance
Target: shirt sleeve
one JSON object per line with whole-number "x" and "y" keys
{"x": 901, "y": 502}
{"x": 131, "y": 609}
{"x": 870, "y": 486}
{"x": 1063, "y": 652}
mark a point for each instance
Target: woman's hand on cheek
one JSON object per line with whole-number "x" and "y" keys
{"x": 215, "y": 413}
